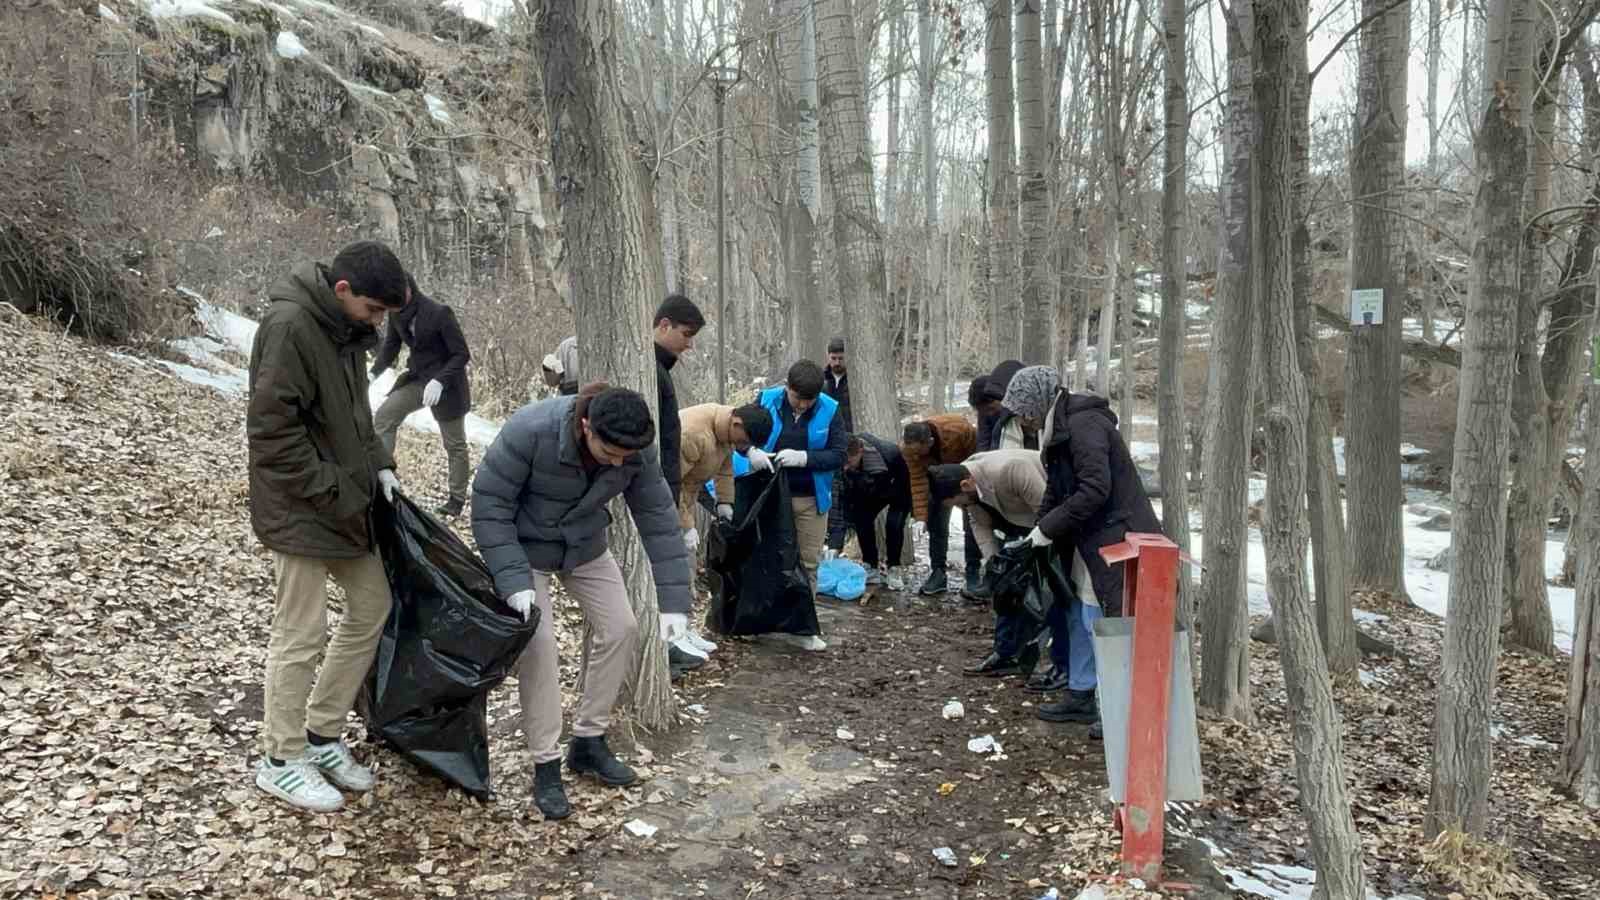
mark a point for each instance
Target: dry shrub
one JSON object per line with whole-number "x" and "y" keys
{"x": 1480, "y": 869}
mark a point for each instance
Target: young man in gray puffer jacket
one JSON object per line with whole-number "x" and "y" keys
{"x": 539, "y": 509}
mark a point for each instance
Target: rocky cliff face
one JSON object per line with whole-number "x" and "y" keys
{"x": 408, "y": 123}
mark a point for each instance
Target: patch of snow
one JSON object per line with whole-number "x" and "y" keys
{"x": 1369, "y": 679}
{"x": 318, "y": 5}
{"x": 1536, "y": 742}
{"x": 233, "y": 382}
{"x": 479, "y": 430}
{"x": 1145, "y": 451}
{"x": 437, "y": 109}
{"x": 181, "y": 9}
{"x": 289, "y": 46}
{"x": 108, "y": 14}
{"x": 372, "y": 31}
{"x": 1362, "y": 616}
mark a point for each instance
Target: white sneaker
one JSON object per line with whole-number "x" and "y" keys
{"x": 299, "y": 783}
{"x": 896, "y": 579}
{"x": 700, "y": 643}
{"x": 803, "y": 641}
{"x": 339, "y": 765}
{"x": 687, "y": 646}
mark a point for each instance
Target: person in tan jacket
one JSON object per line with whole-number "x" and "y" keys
{"x": 712, "y": 433}
{"x": 937, "y": 440}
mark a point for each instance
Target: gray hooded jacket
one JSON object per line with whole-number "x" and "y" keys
{"x": 535, "y": 508}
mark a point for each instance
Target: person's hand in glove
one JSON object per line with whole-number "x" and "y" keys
{"x": 432, "y": 391}
{"x": 521, "y": 602}
{"x": 725, "y": 512}
{"x": 760, "y": 460}
{"x": 1037, "y": 538}
{"x": 389, "y": 483}
{"x": 918, "y": 530}
{"x": 791, "y": 459}
{"x": 691, "y": 539}
{"x": 674, "y": 626}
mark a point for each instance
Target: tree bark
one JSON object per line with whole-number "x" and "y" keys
{"x": 857, "y": 240}
{"x": 1580, "y": 750}
{"x": 1336, "y": 622}
{"x": 666, "y": 171}
{"x": 1462, "y": 747}
{"x": 1377, "y": 260}
{"x": 1005, "y": 307}
{"x": 1430, "y": 234}
{"x": 802, "y": 209}
{"x": 1319, "y": 756}
{"x": 939, "y": 348}
{"x": 1225, "y": 451}
{"x": 610, "y": 265}
{"x": 1035, "y": 189}
{"x": 1174, "y": 318}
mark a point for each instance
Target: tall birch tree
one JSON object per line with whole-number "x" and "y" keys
{"x": 1005, "y": 306}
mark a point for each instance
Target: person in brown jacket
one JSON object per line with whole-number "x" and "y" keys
{"x": 712, "y": 433}
{"x": 316, "y": 465}
{"x": 937, "y": 440}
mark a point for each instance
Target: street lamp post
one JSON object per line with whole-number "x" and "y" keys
{"x": 723, "y": 78}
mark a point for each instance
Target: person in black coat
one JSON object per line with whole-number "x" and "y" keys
{"x": 876, "y": 479}
{"x": 676, "y": 323}
{"x": 435, "y": 377}
{"x": 836, "y": 384}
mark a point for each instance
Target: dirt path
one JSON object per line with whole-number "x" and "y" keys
{"x": 767, "y": 797}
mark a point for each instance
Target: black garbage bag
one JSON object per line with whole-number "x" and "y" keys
{"x": 1027, "y": 579}
{"x": 758, "y": 584}
{"x": 448, "y": 642}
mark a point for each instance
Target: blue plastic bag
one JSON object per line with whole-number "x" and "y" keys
{"x": 841, "y": 578}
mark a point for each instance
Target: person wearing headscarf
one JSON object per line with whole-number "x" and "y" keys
{"x": 1028, "y": 398}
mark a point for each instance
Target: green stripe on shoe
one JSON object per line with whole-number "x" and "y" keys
{"x": 290, "y": 781}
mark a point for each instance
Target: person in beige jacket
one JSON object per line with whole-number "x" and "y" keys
{"x": 1001, "y": 491}
{"x": 712, "y": 433}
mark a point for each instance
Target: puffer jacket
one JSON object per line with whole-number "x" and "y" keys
{"x": 314, "y": 455}
{"x": 954, "y": 439}
{"x": 536, "y": 508}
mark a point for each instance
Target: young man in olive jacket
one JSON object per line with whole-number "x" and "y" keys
{"x": 539, "y": 509}
{"x": 435, "y": 377}
{"x": 316, "y": 464}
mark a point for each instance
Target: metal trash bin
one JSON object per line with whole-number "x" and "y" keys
{"x": 1113, "y": 665}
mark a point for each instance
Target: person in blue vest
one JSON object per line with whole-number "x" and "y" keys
{"x": 808, "y": 441}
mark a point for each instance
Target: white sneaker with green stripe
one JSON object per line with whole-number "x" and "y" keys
{"x": 298, "y": 782}
{"x": 339, "y": 766}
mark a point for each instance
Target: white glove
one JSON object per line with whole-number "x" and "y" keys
{"x": 521, "y": 602}
{"x": 918, "y": 530}
{"x": 760, "y": 460}
{"x": 791, "y": 459}
{"x": 691, "y": 539}
{"x": 389, "y": 483}
{"x": 1037, "y": 538}
{"x": 725, "y": 511}
{"x": 674, "y": 626}
{"x": 432, "y": 391}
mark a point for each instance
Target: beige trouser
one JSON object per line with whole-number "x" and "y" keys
{"x": 299, "y": 630}
{"x": 407, "y": 399}
{"x": 810, "y": 533}
{"x": 613, "y": 638}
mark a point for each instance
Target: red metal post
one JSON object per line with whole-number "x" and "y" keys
{"x": 1151, "y": 585}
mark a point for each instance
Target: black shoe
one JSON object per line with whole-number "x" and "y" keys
{"x": 1097, "y": 731}
{"x": 993, "y": 666}
{"x": 591, "y": 756}
{"x": 1076, "y": 706}
{"x": 977, "y": 594}
{"x": 1046, "y": 681}
{"x": 451, "y": 508}
{"x": 548, "y": 794}
{"x": 1028, "y": 658}
{"x": 679, "y": 659}
{"x": 936, "y": 584}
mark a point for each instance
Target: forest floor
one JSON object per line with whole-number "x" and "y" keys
{"x": 137, "y": 604}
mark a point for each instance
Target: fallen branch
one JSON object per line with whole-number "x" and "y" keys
{"x": 1412, "y": 347}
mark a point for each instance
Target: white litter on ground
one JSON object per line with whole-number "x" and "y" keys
{"x": 985, "y": 744}
{"x": 437, "y": 109}
{"x": 641, "y": 828}
{"x": 179, "y": 9}
{"x": 953, "y": 710}
{"x": 289, "y": 46}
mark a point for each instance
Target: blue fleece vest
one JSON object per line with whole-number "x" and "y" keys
{"x": 816, "y": 439}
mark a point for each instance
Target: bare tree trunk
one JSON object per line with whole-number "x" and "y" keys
{"x": 1430, "y": 233}
{"x": 802, "y": 210}
{"x": 891, "y": 153}
{"x": 1580, "y": 750}
{"x": 1319, "y": 756}
{"x": 610, "y": 264}
{"x": 928, "y": 69}
{"x": 1174, "y": 318}
{"x": 1035, "y": 190}
{"x": 1111, "y": 219}
{"x": 1336, "y": 621}
{"x": 1005, "y": 307}
{"x": 1377, "y": 261}
{"x": 666, "y": 171}
{"x": 1462, "y": 748}
{"x": 857, "y": 241}
{"x": 1230, "y": 398}
{"x": 1125, "y": 313}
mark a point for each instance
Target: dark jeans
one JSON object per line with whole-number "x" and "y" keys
{"x": 838, "y": 513}
{"x": 939, "y": 542}
{"x": 863, "y": 518}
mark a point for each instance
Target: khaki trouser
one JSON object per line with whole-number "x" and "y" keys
{"x": 407, "y": 399}
{"x": 613, "y": 639}
{"x": 810, "y": 534}
{"x": 299, "y": 631}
